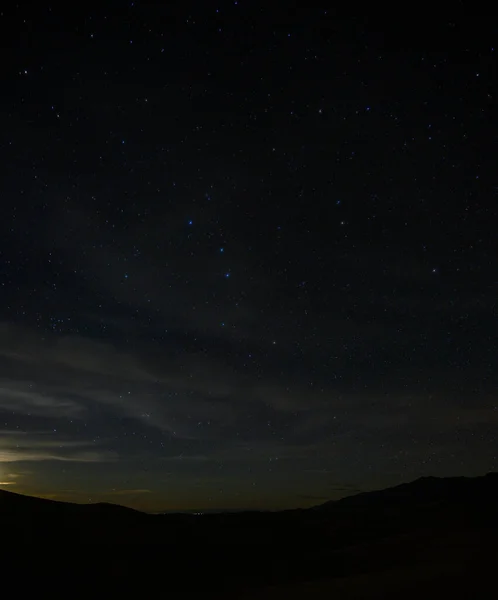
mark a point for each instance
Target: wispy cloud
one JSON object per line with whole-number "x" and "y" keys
{"x": 31, "y": 456}
{"x": 313, "y": 498}
{"x": 9, "y": 478}
{"x": 194, "y": 410}
{"x": 69, "y": 376}
{"x": 17, "y": 446}
{"x": 129, "y": 492}
{"x": 26, "y": 398}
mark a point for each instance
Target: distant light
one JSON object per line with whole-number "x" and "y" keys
{"x": 190, "y": 222}
{"x": 222, "y": 249}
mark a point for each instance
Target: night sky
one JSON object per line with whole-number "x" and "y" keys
{"x": 248, "y": 255}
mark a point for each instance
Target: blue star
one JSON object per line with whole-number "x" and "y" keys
{"x": 190, "y": 222}
{"x": 222, "y": 250}
{"x": 227, "y": 275}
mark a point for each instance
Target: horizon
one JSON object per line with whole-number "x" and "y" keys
{"x": 247, "y": 257}
{"x": 231, "y": 510}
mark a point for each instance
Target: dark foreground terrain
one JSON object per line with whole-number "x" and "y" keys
{"x": 432, "y": 538}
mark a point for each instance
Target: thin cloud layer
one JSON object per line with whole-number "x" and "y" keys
{"x": 34, "y": 446}
{"x": 197, "y": 415}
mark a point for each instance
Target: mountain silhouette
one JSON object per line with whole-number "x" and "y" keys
{"x": 426, "y": 490}
{"x": 11, "y": 502}
{"x": 441, "y": 530}
{"x": 422, "y": 491}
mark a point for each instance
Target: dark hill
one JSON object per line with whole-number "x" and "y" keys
{"x": 11, "y": 502}
{"x": 395, "y": 534}
{"x": 426, "y": 490}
